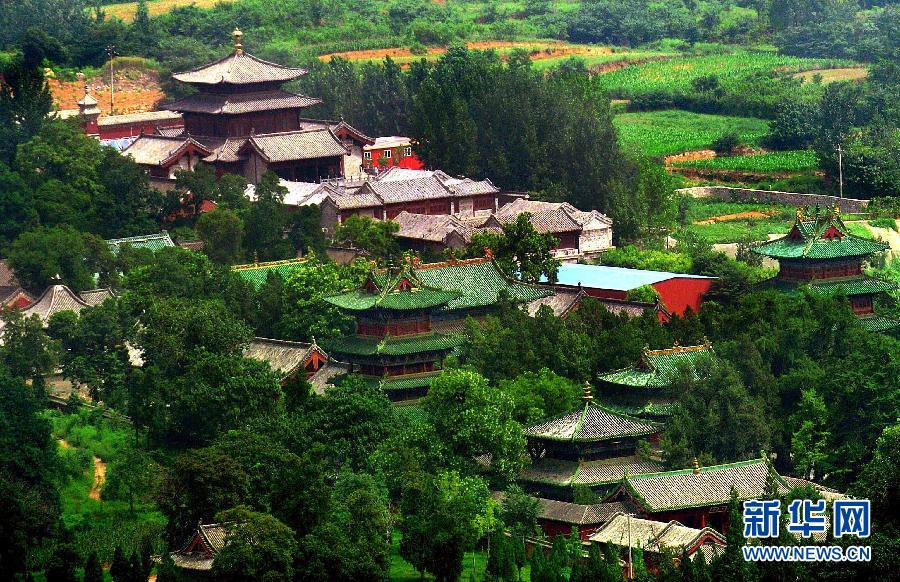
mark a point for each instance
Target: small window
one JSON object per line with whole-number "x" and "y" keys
{"x": 387, "y": 153}
{"x": 407, "y": 151}
{"x": 367, "y": 155}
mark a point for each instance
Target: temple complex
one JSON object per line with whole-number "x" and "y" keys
{"x": 590, "y": 446}
{"x": 241, "y": 120}
{"x": 821, "y": 253}
{"x": 644, "y": 390}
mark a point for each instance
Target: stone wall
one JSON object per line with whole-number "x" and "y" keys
{"x": 846, "y": 205}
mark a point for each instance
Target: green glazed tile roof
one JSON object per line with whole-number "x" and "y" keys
{"x": 853, "y": 286}
{"x": 644, "y": 409}
{"x": 812, "y": 239}
{"x": 659, "y": 368}
{"x": 256, "y": 273}
{"x": 564, "y": 473}
{"x": 591, "y": 423}
{"x": 152, "y": 242}
{"x": 479, "y": 281}
{"x": 411, "y": 413}
{"x": 671, "y": 490}
{"x": 878, "y": 323}
{"x": 408, "y": 382}
{"x": 394, "y": 346}
{"x": 400, "y": 290}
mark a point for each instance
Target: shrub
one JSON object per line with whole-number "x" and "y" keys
{"x": 727, "y": 143}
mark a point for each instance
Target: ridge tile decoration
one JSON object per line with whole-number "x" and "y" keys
{"x": 820, "y": 253}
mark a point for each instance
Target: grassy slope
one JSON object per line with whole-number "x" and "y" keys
{"x": 403, "y": 571}
{"x": 662, "y": 133}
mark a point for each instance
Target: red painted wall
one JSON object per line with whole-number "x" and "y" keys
{"x": 679, "y": 293}
{"x": 398, "y": 159}
{"x": 554, "y": 528}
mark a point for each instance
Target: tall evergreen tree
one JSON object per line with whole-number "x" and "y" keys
{"x": 93, "y": 571}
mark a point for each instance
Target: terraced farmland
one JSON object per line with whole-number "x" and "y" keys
{"x": 125, "y": 11}
{"x": 768, "y": 162}
{"x": 677, "y": 74}
{"x": 663, "y": 133}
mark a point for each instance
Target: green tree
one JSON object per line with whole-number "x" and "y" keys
{"x": 520, "y": 249}
{"x": 376, "y": 237}
{"x": 265, "y": 221}
{"x": 120, "y": 570}
{"x": 198, "y": 485}
{"x": 306, "y": 230}
{"x": 222, "y": 231}
{"x": 881, "y": 475}
{"x": 40, "y": 255}
{"x": 810, "y": 438}
{"x": 259, "y": 547}
{"x": 27, "y": 351}
{"x": 131, "y": 477}
{"x": 539, "y": 395}
{"x": 443, "y": 516}
{"x": 25, "y": 101}
{"x": 473, "y": 419}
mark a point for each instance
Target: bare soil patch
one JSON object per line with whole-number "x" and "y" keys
{"x": 832, "y": 75}
{"x": 750, "y": 214}
{"x": 99, "y": 479}
{"x": 136, "y": 92}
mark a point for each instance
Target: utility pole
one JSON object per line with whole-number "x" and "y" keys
{"x": 630, "y": 564}
{"x": 840, "y": 153}
{"x": 111, "y": 52}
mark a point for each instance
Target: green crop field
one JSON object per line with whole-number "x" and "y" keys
{"x": 792, "y": 161}
{"x": 663, "y": 133}
{"x": 677, "y": 74}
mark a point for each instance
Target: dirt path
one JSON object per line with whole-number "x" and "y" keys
{"x": 99, "y": 472}
{"x": 890, "y": 236}
{"x": 99, "y": 479}
{"x": 756, "y": 214}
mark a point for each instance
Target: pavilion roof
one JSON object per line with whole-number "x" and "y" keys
{"x": 153, "y": 242}
{"x": 548, "y": 217}
{"x": 480, "y": 281}
{"x": 566, "y": 473}
{"x": 855, "y": 285}
{"x": 95, "y": 297}
{"x": 296, "y": 145}
{"x": 400, "y": 290}
{"x": 256, "y": 273}
{"x": 591, "y": 422}
{"x": 822, "y": 236}
{"x": 285, "y": 357}
{"x": 660, "y": 368}
{"x": 160, "y": 150}
{"x": 54, "y": 299}
{"x": 394, "y": 345}
{"x": 879, "y": 323}
{"x": 234, "y": 104}
{"x": 207, "y": 541}
{"x": 653, "y": 536}
{"x": 702, "y": 486}
{"x": 239, "y": 68}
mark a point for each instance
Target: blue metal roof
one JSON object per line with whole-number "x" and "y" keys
{"x": 614, "y": 278}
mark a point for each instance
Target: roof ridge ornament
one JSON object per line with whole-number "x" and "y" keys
{"x": 238, "y": 41}
{"x": 587, "y": 396}
{"x": 695, "y": 466}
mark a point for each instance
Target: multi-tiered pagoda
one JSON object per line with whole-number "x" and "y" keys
{"x": 395, "y": 345}
{"x": 591, "y": 446}
{"x": 820, "y": 252}
{"x": 242, "y": 121}
{"x": 645, "y": 389}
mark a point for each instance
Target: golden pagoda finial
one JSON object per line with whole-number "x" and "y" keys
{"x": 488, "y": 252}
{"x": 587, "y": 392}
{"x": 238, "y": 41}
{"x": 695, "y": 466}
{"x": 799, "y": 213}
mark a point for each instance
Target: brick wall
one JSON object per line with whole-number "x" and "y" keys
{"x": 787, "y": 198}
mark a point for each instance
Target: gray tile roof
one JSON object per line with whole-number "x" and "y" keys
{"x": 155, "y": 241}
{"x": 54, "y": 299}
{"x": 7, "y": 277}
{"x": 577, "y": 514}
{"x": 591, "y": 422}
{"x": 223, "y": 150}
{"x": 429, "y": 227}
{"x": 562, "y": 302}
{"x": 212, "y": 538}
{"x": 297, "y": 145}
{"x": 95, "y": 297}
{"x": 239, "y": 68}
{"x": 548, "y": 217}
{"x": 232, "y": 104}
{"x": 282, "y": 356}
{"x": 157, "y": 150}
{"x": 672, "y": 490}
{"x": 653, "y": 536}
{"x": 394, "y": 191}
